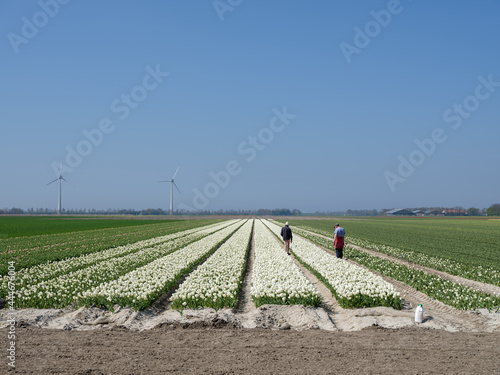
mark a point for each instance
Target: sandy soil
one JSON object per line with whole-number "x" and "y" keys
{"x": 267, "y": 340}
{"x": 166, "y": 350}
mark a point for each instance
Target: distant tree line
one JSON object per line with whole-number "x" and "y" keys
{"x": 493, "y": 210}
{"x": 150, "y": 211}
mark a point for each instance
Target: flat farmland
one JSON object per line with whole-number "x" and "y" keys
{"x": 23, "y": 226}
{"x": 468, "y": 240}
{"x": 218, "y": 281}
{"x": 118, "y": 264}
{"x": 29, "y": 241}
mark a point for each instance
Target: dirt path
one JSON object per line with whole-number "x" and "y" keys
{"x": 253, "y": 351}
{"x": 245, "y": 303}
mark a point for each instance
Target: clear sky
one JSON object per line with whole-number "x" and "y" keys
{"x": 314, "y": 105}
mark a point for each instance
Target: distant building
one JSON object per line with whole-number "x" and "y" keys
{"x": 433, "y": 213}
{"x": 419, "y": 213}
{"x": 400, "y": 212}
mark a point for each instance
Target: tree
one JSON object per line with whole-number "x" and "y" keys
{"x": 473, "y": 211}
{"x": 493, "y": 210}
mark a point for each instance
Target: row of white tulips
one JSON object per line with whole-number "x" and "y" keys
{"x": 352, "y": 285}
{"x": 34, "y": 275}
{"x": 275, "y": 278}
{"x": 217, "y": 282}
{"x": 65, "y": 289}
{"x": 144, "y": 285}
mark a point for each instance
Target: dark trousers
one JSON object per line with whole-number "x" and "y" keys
{"x": 339, "y": 252}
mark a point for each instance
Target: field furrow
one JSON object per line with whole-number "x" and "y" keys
{"x": 276, "y": 279}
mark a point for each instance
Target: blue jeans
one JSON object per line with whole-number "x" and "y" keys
{"x": 339, "y": 253}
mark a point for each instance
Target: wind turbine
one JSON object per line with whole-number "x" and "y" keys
{"x": 60, "y": 178}
{"x": 172, "y": 184}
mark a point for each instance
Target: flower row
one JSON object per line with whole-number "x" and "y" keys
{"x": 142, "y": 286}
{"x": 42, "y": 272}
{"x": 65, "y": 289}
{"x": 217, "y": 282}
{"x": 276, "y": 279}
{"x": 473, "y": 272}
{"x": 39, "y": 249}
{"x": 448, "y": 292}
{"x": 351, "y": 285}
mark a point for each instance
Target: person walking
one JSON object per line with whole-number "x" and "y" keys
{"x": 286, "y": 234}
{"x": 338, "y": 240}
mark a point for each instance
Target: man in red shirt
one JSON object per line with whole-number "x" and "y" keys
{"x": 338, "y": 240}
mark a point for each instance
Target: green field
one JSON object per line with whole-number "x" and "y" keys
{"x": 465, "y": 240}
{"x": 20, "y": 226}
{"x": 54, "y": 239}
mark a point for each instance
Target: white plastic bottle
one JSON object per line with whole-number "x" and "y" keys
{"x": 419, "y": 314}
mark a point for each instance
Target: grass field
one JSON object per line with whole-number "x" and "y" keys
{"x": 466, "y": 240}
{"x": 20, "y": 226}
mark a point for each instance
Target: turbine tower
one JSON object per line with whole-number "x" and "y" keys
{"x": 172, "y": 184}
{"x": 60, "y": 178}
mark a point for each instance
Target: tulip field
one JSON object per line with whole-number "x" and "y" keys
{"x": 276, "y": 279}
{"x": 217, "y": 282}
{"x": 351, "y": 285}
{"x": 451, "y": 293}
{"x": 31, "y": 250}
{"x": 204, "y": 263}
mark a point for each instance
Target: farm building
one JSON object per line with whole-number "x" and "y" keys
{"x": 400, "y": 212}
{"x": 433, "y": 213}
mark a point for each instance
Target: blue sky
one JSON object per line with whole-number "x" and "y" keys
{"x": 309, "y": 105}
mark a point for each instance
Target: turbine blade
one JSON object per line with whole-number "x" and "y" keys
{"x": 52, "y": 181}
{"x": 175, "y": 174}
{"x": 176, "y": 187}
{"x": 62, "y": 178}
